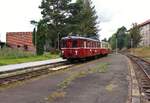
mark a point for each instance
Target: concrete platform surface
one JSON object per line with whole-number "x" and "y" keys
{"x": 28, "y": 64}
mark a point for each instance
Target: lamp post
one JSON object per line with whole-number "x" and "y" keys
{"x": 35, "y": 23}
{"x": 35, "y": 37}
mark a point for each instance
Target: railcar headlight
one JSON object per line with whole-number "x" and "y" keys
{"x": 76, "y": 52}
{"x": 62, "y": 52}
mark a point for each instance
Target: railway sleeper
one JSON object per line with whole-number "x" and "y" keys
{"x": 146, "y": 87}
{"x": 145, "y": 83}
{"x": 147, "y": 96}
{"x": 147, "y": 91}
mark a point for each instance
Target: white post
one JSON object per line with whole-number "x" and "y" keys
{"x": 35, "y": 38}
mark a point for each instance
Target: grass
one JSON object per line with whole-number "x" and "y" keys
{"x": 13, "y": 56}
{"x": 64, "y": 84}
{"x": 111, "y": 87}
{"x": 100, "y": 68}
{"x": 56, "y": 95}
{"x": 142, "y": 52}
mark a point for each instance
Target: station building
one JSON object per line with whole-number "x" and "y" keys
{"x": 20, "y": 40}
{"x": 145, "y": 32}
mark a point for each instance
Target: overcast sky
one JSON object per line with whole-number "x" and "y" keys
{"x": 15, "y": 15}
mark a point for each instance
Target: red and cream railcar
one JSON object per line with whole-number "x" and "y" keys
{"x": 74, "y": 47}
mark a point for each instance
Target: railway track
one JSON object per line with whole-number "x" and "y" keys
{"x": 143, "y": 75}
{"x": 31, "y": 72}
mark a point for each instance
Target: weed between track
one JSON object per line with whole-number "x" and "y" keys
{"x": 55, "y": 95}
{"x": 100, "y": 68}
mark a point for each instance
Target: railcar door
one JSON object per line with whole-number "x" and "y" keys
{"x": 69, "y": 43}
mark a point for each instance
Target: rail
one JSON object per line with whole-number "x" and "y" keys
{"x": 27, "y": 73}
{"x": 143, "y": 76}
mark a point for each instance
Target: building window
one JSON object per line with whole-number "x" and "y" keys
{"x": 25, "y": 47}
{"x": 18, "y": 46}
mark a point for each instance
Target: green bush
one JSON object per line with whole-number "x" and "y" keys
{"x": 54, "y": 51}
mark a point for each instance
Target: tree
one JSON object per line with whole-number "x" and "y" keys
{"x": 121, "y": 35}
{"x": 135, "y": 35}
{"x": 88, "y": 21}
{"x": 122, "y": 38}
{"x": 83, "y": 18}
{"x": 112, "y": 41}
{"x": 40, "y": 37}
{"x": 74, "y": 20}
{"x": 105, "y": 40}
{"x": 64, "y": 17}
{"x": 34, "y": 37}
{"x": 55, "y": 13}
{"x": 35, "y": 23}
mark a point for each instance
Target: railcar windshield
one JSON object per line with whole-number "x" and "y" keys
{"x": 69, "y": 43}
{"x": 63, "y": 44}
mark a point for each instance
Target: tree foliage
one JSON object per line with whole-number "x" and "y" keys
{"x": 121, "y": 35}
{"x": 125, "y": 39}
{"x": 63, "y": 17}
{"x": 88, "y": 19}
{"x": 112, "y": 41}
{"x": 34, "y": 37}
{"x": 55, "y": 13}
{"x": 40, "y": 37}
{"x": 122, "y": 38}
{"x": 135, "y": 35}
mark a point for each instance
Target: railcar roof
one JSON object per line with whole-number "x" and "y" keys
{"x": 78, "y": 37}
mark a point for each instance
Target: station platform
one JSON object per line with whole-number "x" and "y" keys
{"x": 20, "y": 66}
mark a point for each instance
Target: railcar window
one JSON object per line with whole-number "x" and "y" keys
{"x": 74, "y": 43}
{"x": 81, "y": 43}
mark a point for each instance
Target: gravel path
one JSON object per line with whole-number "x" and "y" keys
{"x": 110, "y": 86}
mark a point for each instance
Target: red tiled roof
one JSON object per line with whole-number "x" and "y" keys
{"x": 18, "y": 33}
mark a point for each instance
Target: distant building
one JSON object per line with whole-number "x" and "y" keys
{"x": 145, "y": 32}
{"x": 20, "y": 40}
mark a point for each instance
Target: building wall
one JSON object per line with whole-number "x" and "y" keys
{"x": 145, "y": 32}
{"x": 20, "y": 40}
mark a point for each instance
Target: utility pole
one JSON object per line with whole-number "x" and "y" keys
{"x": 58, "y": 40}
{"x": 116, "y": 44}
{"x": 131, "y": 46}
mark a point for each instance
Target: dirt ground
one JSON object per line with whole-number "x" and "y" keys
{"x": 99, "y": 81}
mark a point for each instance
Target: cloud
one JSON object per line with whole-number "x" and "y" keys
{"x": 17, "y": 14}
{"x": 116, "y": 13}
{"x": 105, "y": 15}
